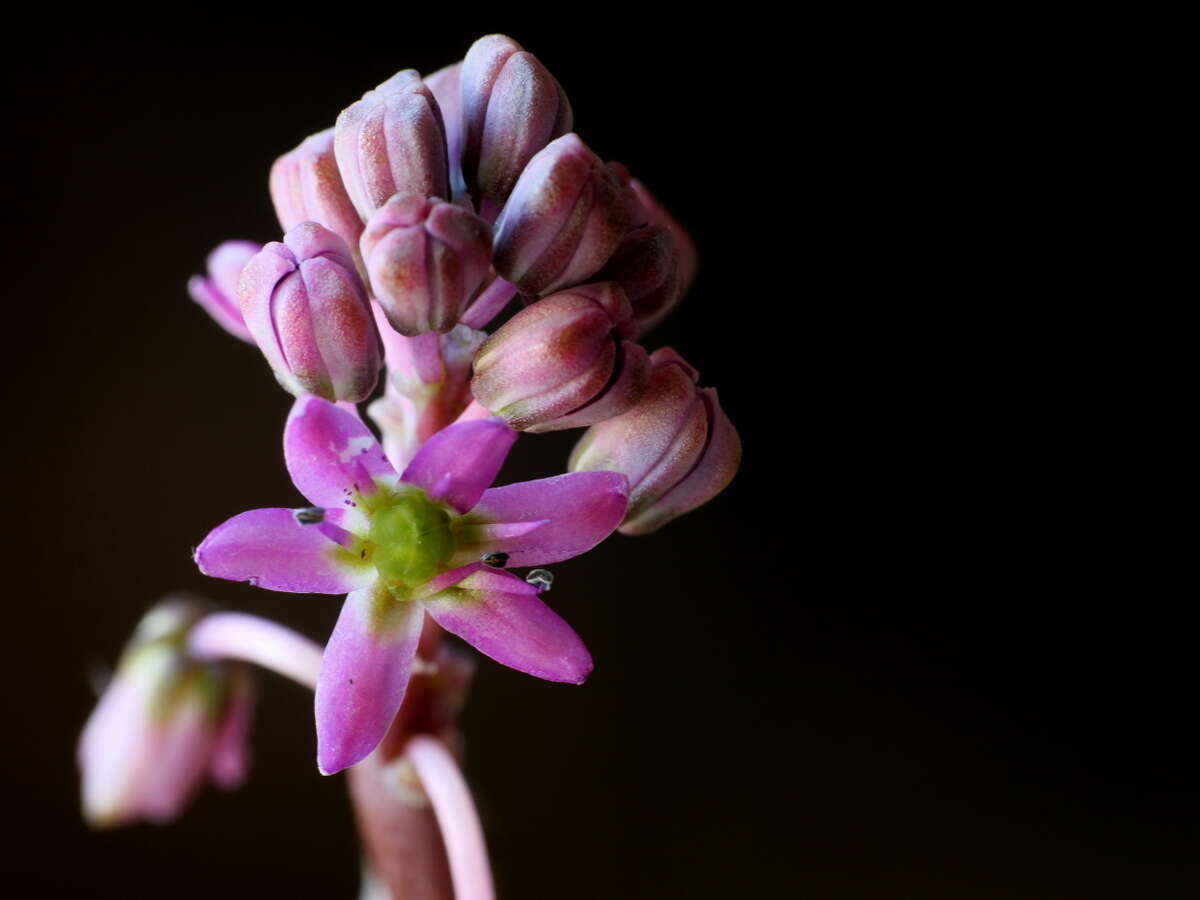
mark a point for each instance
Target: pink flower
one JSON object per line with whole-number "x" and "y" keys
{"x": 165, "y": 721}
{"x": 410, "y": 544}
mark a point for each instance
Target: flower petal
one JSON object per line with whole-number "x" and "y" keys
{"x": 570, "y": 514}
{"x": 458, "y": 463}
{"x": 180, "y": 757}
{"x": 330, "y": 453}
{"x": 501, "y": 616}
{"x": 364, "y": 675}
{"x": 117, "y": 745}
{"x": 231, "y": 747}
{"x": 270, "y": 549}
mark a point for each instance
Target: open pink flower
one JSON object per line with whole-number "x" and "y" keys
{"x": 409, "y": 544}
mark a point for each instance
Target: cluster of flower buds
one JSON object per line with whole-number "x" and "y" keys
{"x": 164, "y": 722}
{"x": 410, "y": 226}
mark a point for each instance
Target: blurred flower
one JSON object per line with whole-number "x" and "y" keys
{"x": 410, "y": 544}
{"x": 163, "y": 723}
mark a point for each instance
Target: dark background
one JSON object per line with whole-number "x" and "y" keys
{"x": 915, "y": 650}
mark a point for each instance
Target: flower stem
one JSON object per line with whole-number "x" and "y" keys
{"x": 231, "y": 635}
{"x": 456, "y": 816}
{"x": 489, "y": 304}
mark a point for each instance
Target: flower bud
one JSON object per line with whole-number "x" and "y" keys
{"x": 308, "y": 311}
{"x": 657, "y": 214}
{"x": 563, "y": 362}
{"x": 512, "y": 107}
{"x": 425, "y": 259}
{"x": 307, "y": 187}
{"x": 163, "y": 723}
{"x": 444, "y": 84}
{"x": 646, "y": 265}
{"x": 638, "y": 215}
{"x": 676, "y": 446}
{"x": 566, "y": 216}
{"x": 392, "y": 141}
{"x": 217, "y": 293}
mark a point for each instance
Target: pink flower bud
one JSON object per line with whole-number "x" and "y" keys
{"x": 444, "y": 84}
{"x": 217, "y": 293}
{"x": 425, "y": 259}
{"x": 512, "y": 107}
{"x": 307, "y": 187}
{"x": 392, "y": 141}
{"x": 676, "y": 446}
{"x": 163, "y": 722}
{"x": 563, "y": 361}
{"x": 657, "y": 214}
{"x": 308, "y": 311}
{"x": 646, "y": 265}
{"x": 566, "y": 216}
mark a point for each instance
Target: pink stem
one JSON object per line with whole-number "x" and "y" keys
{"x": 231, "y": 635}
{"x": 427, "y": 357}
{"x": 488, "y": 304}
{"x": 456, "y": 817}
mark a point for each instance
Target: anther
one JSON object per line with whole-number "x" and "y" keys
{"x": 309, "y": 515}
{"x": 495, "y": 560}
{"x": 541, "y": 579}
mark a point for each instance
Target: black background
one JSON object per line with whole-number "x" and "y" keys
{"x": 915, "y": 650}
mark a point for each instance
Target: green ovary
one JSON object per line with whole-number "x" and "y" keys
{"x": 412, "y": 539}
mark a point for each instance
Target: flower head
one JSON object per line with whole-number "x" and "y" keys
{"x": 412, "y": 543}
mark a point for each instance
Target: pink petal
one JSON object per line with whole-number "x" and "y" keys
{"x": 458, "y": 463}
{"x": 501, "y": 616}
{"x": 217, "y": 292}
{"x": 364, "y": 675}
{"x": 231, "y": 750}
{"x": 570, "y": 514}
{"x": 117, "y": 745}
{"x": 270, "y": 549}
{"x": 330, "y": 454}
{"x": 180, "y": 758}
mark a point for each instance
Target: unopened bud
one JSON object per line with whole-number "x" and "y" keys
{"x": 392, "y": 141}
{"x": 562, "y": 362}
{"x": 444, "y": 84}
{"x": 307, "y": 187}
{"x": 217, "y": 293}
{"x": 425, "y": 259}
{"x": 646, "y": 265}
{"x": 512, "y": 107}
{"x": 676, "y": 446}
{"x": 565, "y": 217}
{"x": 308, "y": 311}
{"x": 657, "y": 214}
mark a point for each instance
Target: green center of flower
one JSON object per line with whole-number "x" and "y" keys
{"x": 412, "y": 538}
